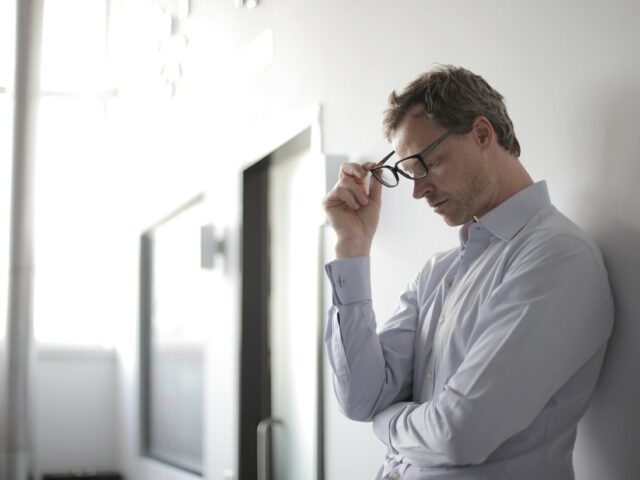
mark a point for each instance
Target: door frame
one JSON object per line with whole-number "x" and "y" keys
{"x": 254, "y": 395}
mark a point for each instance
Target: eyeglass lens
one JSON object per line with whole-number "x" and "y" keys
{"x": 413, "y": 168}
{"x": 386, "y": 176}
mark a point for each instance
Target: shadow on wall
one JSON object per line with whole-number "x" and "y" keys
{"x": 609, "y": 434}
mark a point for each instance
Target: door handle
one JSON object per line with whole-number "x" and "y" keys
{"x": 264, "y": 447}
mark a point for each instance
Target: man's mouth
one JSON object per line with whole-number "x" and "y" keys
{"x": 438, "y": 206}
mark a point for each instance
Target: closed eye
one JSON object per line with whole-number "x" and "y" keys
{"x": 435, "y": 162}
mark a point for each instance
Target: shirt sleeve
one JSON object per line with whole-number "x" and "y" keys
{"x": 550, "y": 315}
{"x": 370, "y": 371}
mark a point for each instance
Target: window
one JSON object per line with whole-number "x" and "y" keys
{"x": 174, "y": 315}
{"x": 72, "y": 273}
{"x": 72, "y": 247}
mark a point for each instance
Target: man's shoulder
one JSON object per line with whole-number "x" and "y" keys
{"x": 552, "y": 233}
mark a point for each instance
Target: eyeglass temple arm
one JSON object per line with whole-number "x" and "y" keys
{"x": 381, "y": 162}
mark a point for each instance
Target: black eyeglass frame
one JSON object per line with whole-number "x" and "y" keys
{"x": 419, "y": 156}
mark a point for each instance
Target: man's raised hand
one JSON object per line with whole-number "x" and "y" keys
{"x": 353, "y": 209}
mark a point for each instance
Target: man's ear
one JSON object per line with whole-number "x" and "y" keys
{"x": 483, "y": 132}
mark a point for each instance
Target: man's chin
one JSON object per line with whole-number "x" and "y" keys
{"x": 455, "y": 221}
{"x": 452, "y": 222}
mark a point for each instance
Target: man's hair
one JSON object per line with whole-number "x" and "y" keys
{"x": 452, "y": 97}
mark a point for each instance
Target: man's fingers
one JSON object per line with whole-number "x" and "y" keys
{"x": 356, "y": 189}
{"x": 351, "y": 187}
{"x": 375, "y": 189}
{"x": 352, "y": 193}
{"x": 353, "y": 170}
{"x": 344, "y": 194}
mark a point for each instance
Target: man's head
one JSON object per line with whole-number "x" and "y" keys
{"x": 472, "y": 170}
{"x": 452, "y": 97}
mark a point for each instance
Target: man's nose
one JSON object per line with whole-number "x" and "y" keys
{"x": 421, "y": 187}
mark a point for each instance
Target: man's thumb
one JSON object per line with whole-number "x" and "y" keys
{"x": 375, "y": 189}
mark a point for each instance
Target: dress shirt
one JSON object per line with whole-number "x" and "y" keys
{"x": 489, "y": 360}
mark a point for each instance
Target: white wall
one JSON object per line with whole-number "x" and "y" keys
{"x": 75, "y": 410}
{"x": 571, "y": 78}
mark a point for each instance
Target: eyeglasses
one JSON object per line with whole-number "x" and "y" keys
{"x": 413, "y": 167}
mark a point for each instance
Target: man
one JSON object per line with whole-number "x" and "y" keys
{"x": 493, "y": 352}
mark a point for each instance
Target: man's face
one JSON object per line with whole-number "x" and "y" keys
{"x": 458, "y": 185}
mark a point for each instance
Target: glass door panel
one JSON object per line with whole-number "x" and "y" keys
{"x": 294, "y": 311}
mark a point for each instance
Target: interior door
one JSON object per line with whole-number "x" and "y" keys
{"x": 294, "y": 311}
{"x": 280, "y": 384}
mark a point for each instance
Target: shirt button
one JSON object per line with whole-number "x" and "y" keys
{"x": 441, "y": 321}
{"x": 430, "y": 375}
{"x": 395, "y": 476}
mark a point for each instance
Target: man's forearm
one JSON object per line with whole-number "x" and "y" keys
{"x": 371, "y": 370}
{"x": 383, "y": 419}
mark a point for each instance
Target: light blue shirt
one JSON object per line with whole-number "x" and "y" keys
{"x": 490, "y": 358}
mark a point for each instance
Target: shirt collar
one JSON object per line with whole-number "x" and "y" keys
{"x": 508, "y": 218}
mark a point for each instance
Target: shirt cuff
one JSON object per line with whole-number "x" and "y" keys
{"x": 382, "y": 422}
{"x": 350, "y": 280}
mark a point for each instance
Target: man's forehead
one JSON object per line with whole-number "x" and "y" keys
{"x": 414, "y": 132}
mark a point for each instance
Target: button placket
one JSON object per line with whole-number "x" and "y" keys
{"x": 446, "y": 292}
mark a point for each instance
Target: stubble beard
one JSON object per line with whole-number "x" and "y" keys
{"x": 469, "y": 203}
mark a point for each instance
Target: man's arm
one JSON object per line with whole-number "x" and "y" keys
{"x": 369, "y": 374}
{"x": 545, "y": 321}
{"x": 371, "y": 371}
